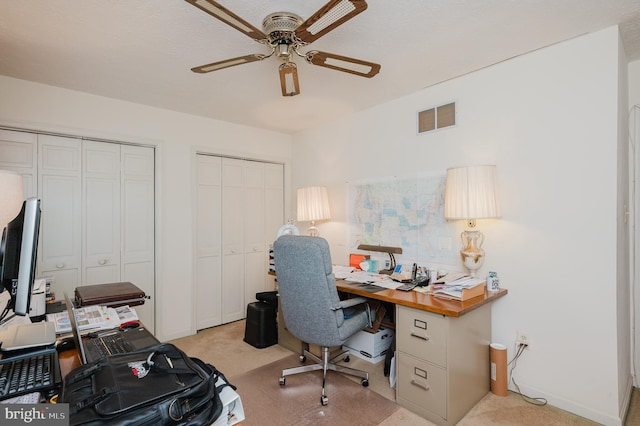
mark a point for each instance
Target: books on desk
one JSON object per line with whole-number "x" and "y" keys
{"x": 461, "y": 289}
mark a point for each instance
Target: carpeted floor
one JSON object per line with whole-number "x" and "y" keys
{"x": 223, "y": 347}
{"x": 298, "y": 401}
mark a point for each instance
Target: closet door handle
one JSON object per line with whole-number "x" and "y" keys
{"x": 102, "y": 262}
{"x": 60, "y": 265}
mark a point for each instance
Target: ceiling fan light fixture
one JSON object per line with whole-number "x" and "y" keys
{"x": 285, "y": 33}
{"x": 289, "y": 79}
{"x": 281, "y": 21}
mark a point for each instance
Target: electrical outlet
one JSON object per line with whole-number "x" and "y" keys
{"x": 523, "y": 338}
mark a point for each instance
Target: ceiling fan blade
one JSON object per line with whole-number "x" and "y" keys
{"x": 330, "y": 16}
{"x": 289, "y": 79}
{"x": 343, "y": 63}
{"x": 225, "y": 15}
{"x": 215, "y": 66}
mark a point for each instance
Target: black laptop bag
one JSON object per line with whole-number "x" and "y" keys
{"x": 159, "y": 385}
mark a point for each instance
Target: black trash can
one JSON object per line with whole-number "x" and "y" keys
{"x": 261, "y": 329}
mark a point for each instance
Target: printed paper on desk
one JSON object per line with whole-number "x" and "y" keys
{"x": 92, "y": 317}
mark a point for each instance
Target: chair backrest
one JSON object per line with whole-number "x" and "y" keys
{"x": 307, "y": 289}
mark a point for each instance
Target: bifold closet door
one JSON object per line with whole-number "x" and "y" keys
{"x": 60, "y": 191}
{"x": 208, "y": 238}
{"x": 101, "y": 213}
{"x": 137, "y": 200}
{"x": 239, "y": 210}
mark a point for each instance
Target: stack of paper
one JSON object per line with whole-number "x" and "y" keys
{"x": 460, "y": 289}
{"x": 93, "y": 317}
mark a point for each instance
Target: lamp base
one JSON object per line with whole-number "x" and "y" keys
{"x": 472, "y": 253}
{"x": 313, "y": 231}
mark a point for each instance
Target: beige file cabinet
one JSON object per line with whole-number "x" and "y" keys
{"x": 442, "y": 362}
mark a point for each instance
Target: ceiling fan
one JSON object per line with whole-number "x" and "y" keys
{"x": 285, "y": 33}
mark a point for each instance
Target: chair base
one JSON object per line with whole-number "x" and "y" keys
{"x": 325, "y": 364}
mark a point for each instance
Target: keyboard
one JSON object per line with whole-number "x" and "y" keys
{"x": 36, "y": 373}
{"x": 111, "y": 344}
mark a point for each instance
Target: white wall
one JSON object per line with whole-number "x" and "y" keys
{"x": 549, "y": 121}
{"x": 177, "y": 136}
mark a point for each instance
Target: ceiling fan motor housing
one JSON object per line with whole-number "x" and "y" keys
{"x": 281, "y": 21}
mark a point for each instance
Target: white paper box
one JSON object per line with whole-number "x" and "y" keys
{"x": 370, "y": 346}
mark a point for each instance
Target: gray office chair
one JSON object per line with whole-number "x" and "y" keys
{"x": 310, "y": 305}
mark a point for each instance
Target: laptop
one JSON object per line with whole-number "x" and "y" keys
{"x": 26, "y": 336}
{"x": 103, "y": 343}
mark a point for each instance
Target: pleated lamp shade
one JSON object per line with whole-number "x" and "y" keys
{"x": 313, "y": 204}
{"x": 471, "y": 193}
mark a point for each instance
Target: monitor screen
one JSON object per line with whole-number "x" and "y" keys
{"x": 19, "y": 262}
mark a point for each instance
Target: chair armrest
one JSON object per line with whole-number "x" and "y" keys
{"x": 347, "y": 303}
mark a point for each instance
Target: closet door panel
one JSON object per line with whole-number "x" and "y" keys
{"x": 274, "y": 210}
{"x": 138, "y": 222}
{"x": 60, "y": 191}
{"x": 101, "y": 212}
{"x": 208, "y": 242}
{"x": 233, "y": 303}
{"x": 18, "y": 153}
{"x": 138, "y": 225}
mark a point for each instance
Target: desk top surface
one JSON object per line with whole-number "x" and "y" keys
{"x": 423, "y": 301}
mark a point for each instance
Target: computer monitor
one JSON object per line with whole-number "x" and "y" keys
{"x": 19, "y": 262}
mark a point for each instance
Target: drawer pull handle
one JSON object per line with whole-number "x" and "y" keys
{"x": 419, "y": 384}
{"x": 425, "y": 338}
{"x": 102, "y": 262}
{"x": 60, "y": 265}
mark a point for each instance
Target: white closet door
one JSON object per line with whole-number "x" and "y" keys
{"x": 274, "y": 209}
{"x": 208, "y": 242}
{"x": 59, "y": 188}
{"x": 256, "y": 257}
{"x": 101, "y": 212}
{"x": 233, "y": 305}
{"x": 18, "y": 153}
{"x": 138, "y": 225}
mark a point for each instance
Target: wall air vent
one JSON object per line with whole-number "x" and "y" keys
{"x": 437, "y": 118}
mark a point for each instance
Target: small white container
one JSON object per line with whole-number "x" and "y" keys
{"x": 493, "y": 282}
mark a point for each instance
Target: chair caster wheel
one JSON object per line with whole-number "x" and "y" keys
{"x": 346, "y": 358}
{"x": 365, "y": 383}
{"x": 282, "y": 381}
{"x": 324, "y": 400}
{"x": 303, "y": 358}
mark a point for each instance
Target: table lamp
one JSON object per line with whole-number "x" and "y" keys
{"x": 313, "y": 204}
{"x": 11, "y": 196}
{"x": 470, "y": 194}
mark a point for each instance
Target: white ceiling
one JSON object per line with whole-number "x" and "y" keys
{"x": 142, "y": 50}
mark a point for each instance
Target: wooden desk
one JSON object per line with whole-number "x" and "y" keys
{"x": 442, "y": 350}
{"x": 423, "y": 301}
{"x": 68, "y": 361}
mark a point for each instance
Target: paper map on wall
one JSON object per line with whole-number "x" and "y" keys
{"x": 407, "y": 213}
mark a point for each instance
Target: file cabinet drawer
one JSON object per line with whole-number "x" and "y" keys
{"x": 421, "y": 386}
{"x": 422, "y": 334}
